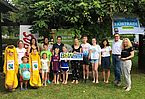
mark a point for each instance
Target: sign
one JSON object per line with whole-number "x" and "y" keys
{"x": 71, "y": 56}
{"x": 126, "y": 26}
{"x": 26, "y": 35}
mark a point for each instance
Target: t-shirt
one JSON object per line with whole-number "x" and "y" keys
{"x": 20, "y": 53}
{"x": 106, "y": 51}
{"x": 116, "y": 47}
{"x": 126, "y": 52}
{"x": 55, "y": 60}
{"x": 44, "y": 63}
{"x": 64, "y": 64}
{"x": 96, "y": 50}
{"x": 85, "y": 48}
{"x": 77, "y": 50}
{"x": 22, "y": 66}
{"x": 49, "y": 54}
{"x": 56, "y": 45}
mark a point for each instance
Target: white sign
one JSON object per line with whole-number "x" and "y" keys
{"x": 26, "y": 35}
{"x": 126, "y": 26}
{"x": 71, "y": 56}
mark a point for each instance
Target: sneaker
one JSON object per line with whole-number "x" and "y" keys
{"x": 48, "y": 81}
{"x": 118, "y": 83}
{"x": 115, "y": 82}
{"x": 128, "y": 89}
{"x": 93, "y": 81}
{"x": 22, "y": 89}
{"x": 97, "y": 81}
{"x": 26, "y": 88}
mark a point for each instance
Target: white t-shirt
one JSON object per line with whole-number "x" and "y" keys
{"x": 85, "y": 48}
{"x": 96, "y": 50}
{"x": 106, "y": 51}
{"x": 21, "y": 53}
{"x": 44, "y": 63}
{"x": 116, "y": 47}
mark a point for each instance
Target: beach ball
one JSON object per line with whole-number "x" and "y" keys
{"x": 26, "y": 75}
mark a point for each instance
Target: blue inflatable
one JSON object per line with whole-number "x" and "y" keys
{"x": 26, "y": 75}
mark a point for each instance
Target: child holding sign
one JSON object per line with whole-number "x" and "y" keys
{"x": 65, "y": 66}
{"x": 24, "y": 70}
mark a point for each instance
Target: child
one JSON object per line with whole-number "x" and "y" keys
{"x": 45, "y": 68}
{"x": 65, "y": 66}
{"x": 55, "y": 65}
{"x": 48, "y": 55}
{"x": 106, "y": 51}
{"x": 24, "y": 66}
{"x": 35, "y": 63}
{"x": 95, "y": 55}
{"x": 11, "y": 68}
{"x": 85, "y": 49}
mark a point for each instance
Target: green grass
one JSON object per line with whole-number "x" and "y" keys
{"x": 82, "y": 90}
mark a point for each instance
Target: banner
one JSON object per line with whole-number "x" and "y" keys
{"x": 126, "y": 26}
{"x": 71, "y": 56}
{"x": 25, "y": 35}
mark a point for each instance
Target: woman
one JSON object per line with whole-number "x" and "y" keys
{"x": 33, "y": 45}
{"x": 106, "y": 51}
{"x": 46, "y": 41}
{"x": 75, "y": 64}
{"x": 126, "y": 55}
{"x": 21, "y": 51}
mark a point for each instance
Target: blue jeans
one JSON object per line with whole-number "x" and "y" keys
{"x": 117, "y": 67}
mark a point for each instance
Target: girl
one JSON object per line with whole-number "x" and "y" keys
{"x": 95, "y": 55}
{"x": 65, "y": 66}
{"x": 11, "y": 68}
{"x": 55, "y": 65}
{"x": 33, "y": 45}
{"x": 35, "y": 63}
{"x": 106, "y": 51}
{"x": 126, "y": 55}
{"x": 75, "y": 64}
{"x": 45, "y": 68}
{"x": 24, "y": 66}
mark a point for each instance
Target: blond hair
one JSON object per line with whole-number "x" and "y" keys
{"x": 129, "y": 43}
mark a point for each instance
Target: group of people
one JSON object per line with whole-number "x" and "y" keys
{"x": 37, "y": 60}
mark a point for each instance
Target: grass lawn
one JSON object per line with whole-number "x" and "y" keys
{"x": 82, "y": 90}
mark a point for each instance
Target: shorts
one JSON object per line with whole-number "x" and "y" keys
{"x": 94, "y": 61}
{"x": 65, "y": 69}
{"x": 44, "y": 70}
{"x": 106, "y": 62}
{"x": 86, "y": 60}
{"x": 21, "y": 79}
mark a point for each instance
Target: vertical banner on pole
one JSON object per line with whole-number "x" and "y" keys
{"x": 26, "y": 35}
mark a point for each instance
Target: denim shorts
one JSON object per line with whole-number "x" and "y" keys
{"x": 94, "y": 60}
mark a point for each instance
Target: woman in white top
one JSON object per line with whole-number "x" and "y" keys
{"x": 20, "y": 50}
{"x": 106, "y": 51}
{"x": 95, "y": 56}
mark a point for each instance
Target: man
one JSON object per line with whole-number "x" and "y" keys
{"x": 58, "y": 45}
{"x": 116, "y": 53}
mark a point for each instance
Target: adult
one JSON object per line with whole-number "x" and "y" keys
{"x": 21, "y": 51}
{"x": 126, "y": 55}
{"x": 116, "y": 54}
{"x": 46, "y": 42}
{"x": 58, "y": 45}
{"x": 33, "y": 45}
{"x": 76, "y": 48}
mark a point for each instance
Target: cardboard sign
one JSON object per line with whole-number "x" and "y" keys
{"x": 71, "y": 56}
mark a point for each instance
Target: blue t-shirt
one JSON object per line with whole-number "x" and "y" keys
{"x": 64, "y": 64}
{"x": 22, "y": 66}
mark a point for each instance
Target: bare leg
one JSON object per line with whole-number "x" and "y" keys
{"x": 96, "y": 71}
{"x": 57, "y": 78}
{"x": 66, "y": 73}
{"x": 87, "y": 69}
{"x": 93, "y": 71}
{"x": 84, "y": 71}
{"x": 63, "y": 77}
{"x": 54, "y": 78}
{"x": 103, "y": 73}
{"x": 108, "y": 75}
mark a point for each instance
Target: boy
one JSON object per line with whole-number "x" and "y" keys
{"x": 85, "y": 49}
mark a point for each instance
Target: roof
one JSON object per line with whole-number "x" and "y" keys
{"x": 5, "y": 6}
